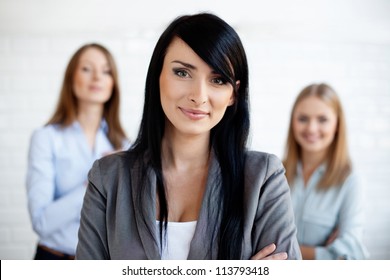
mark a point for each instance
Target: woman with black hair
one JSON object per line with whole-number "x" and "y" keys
{"x": 188, "y": 188}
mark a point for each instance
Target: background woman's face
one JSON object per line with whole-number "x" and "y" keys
{"x": 314, "y": 124}
{"x": 193, "y": 96}
{"x": 93, "y": 82}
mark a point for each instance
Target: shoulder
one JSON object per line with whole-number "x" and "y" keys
{"x": 49, "y": 131}
{"x": 44, "y": 135}
{"x": 265, "y": 181}
{"x": 111, "y": 171}
{"x": 262, "y": 156}
{"x": 114, "y": 166}
{"x": 45, "y": 130}
{"x": 268, "y": 163}
{"x": 264, "y": 169}
{"x": 115, "y": 161}
{"x": 351, "y": 183}
{"x": 352, "y": 178}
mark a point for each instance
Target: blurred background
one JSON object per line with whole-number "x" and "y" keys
{"x": 289, "y": 44}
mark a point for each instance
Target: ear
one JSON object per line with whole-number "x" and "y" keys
{"x": 233, "y": 97}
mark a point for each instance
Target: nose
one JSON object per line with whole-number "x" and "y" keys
{"x": 312, "y": 126}
{"x": 198, "y": 94}
{"x": 96, "y": 75}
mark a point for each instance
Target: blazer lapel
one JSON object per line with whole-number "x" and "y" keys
{"x": 208, "y": 217}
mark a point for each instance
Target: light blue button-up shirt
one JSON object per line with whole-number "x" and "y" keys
{"x": 318, "y": 213}
{"x": 58, "y": 163}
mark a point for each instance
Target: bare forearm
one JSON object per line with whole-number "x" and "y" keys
{"x": 308, "y": 252}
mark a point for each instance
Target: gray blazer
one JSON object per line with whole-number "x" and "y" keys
{"x": 112, "y": 227}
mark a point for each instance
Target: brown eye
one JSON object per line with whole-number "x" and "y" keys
{"x": 322, "y": 119}
{"x": 218, "y": 81}
{"x": 303, "y": 119}
{"x": 85, "y": 69}
{"x": 107, "y": 72}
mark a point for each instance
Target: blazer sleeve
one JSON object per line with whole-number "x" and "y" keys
{"x": 92, "y": 234}
{"x": 274, "y": 221}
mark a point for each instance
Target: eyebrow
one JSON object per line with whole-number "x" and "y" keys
{"x": 91, "y": 62}
{"x": 190, "y": 66}
{"x": 184, "y": 64}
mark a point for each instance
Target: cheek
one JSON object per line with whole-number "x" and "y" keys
{"x": 164, "y": 88}
{"x": 77, "y": 85}
{"x": 78, "y": 82}
{"x": 222, "y": 100}
{"x": 163, "y": 101}
{"x": 110, "y": 86}
{"x": 297, "y": 127}
{"x": 166, "y": 102}
{"x": 110, "y": 82}
{"x": 331, "y": 129}
{"x": 164, "y": 96}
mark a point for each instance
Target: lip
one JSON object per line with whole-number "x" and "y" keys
{"x": 311, "y": 138}
{"x": 194, "y": 114}
{"x": 95, "y": 88}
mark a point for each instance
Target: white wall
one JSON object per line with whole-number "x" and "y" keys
{"x": 289, "y": 45}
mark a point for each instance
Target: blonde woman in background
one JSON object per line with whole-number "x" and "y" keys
{"x": 327, "y": 199}
{"x": 84, "y": 127}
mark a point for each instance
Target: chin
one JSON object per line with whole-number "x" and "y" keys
{"x": 313, "y": 149}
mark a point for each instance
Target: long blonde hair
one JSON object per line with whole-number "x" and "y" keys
{"x": 339, "y": 164}
{"x": 66, "y": 110}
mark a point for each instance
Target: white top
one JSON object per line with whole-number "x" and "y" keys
{"x": 178, "y": 240}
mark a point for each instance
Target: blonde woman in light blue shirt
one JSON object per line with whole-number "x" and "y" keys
{"x": 84, "y": 127}
{"x": 326, "y": 196}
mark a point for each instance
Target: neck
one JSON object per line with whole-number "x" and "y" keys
{"x": 89, "y": 117}
{"x": 182, "y": 152}
{"x": 311, "y": 161}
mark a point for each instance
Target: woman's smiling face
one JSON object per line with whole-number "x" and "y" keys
{"x": 314, "y": 124}
{"x": 193, "y": 96}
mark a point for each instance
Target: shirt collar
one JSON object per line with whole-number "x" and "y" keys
{"x": 320, "y": 169}
{"x": 103, "y": 125}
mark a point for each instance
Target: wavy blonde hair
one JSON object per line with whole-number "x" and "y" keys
{"x": 339, "y": 164}
{"x": 66, "y": 110}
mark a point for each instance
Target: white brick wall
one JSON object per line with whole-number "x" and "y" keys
{"x": 289, "y": 45}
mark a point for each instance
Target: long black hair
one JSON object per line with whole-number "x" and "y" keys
{"x": 218, "y": 44}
